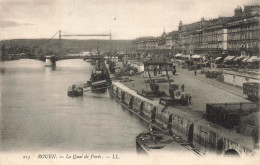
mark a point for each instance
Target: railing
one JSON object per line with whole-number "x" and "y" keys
{"x": 232, "y": 106}
{"x": 245, "y": 73}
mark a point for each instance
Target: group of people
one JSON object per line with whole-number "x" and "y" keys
{"x": 186, "y": 99}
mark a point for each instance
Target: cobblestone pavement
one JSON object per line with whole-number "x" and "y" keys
{"x": 202, "y": 90}
{"x": 228, "y": 87}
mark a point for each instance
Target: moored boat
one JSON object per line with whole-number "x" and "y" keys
{"x": 100, "y": 79}
{"x": 156, "y": 143}
{"x": 75, "y": 90}
{"x": 145, "y": 142}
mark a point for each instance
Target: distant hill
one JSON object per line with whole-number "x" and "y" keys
{"x": 69, "y": 44}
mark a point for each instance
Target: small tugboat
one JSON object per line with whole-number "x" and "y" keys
{"x": 75, "y": 90}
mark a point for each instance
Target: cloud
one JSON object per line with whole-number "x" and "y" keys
{"x": 134, "y": 18}
{"x": 6, "y": 24}
{"x": 26, "y": 9}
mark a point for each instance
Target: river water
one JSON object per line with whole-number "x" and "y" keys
{"x": 36, "y": 113}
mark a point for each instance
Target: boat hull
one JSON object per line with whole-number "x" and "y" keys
{"x": 140, "y": 149}
{"x": 72, "y": 92}
{"x": 99, "y": 89}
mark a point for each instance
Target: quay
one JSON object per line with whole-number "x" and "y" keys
{"x": 137, "y": 105}
{"x": 189, "y": 123}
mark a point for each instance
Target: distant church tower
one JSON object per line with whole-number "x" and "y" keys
{"x": 180, "y": 26}
{"x": 164, "y": 34}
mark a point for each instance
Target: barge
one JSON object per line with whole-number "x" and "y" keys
{"x": 139, "y": 114}
{"x": 163, "y": 136}
{"x": 190, "y": 131}
{"x": 155, "y": 143}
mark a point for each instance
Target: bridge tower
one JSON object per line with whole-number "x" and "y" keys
{"x": 60, "y": 44}
{"x": 110, "y": 43}
{"x": 110, "y": 36}
{"x": 3, "y": 54}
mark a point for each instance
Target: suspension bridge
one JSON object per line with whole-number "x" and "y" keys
{"x": 51, "y": 59}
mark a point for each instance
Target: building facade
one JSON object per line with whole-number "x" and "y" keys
{"x": 243, "y": 31}
{"x": 236, "y": 35}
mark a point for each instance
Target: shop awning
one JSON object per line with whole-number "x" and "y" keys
{"x": 245, "y": 59}
{"x": 252, "y": 58}
{"x": 178, "y": 55}
{"x": 218, "y": 58}
{"x": 229, "y": 58}
{"x": 256, "y": 59}
{"x": 157, "y": 62}
{"x": 196, "y": 56}
{"x": 239, "y": 58}
{"x": 186, "y": 56}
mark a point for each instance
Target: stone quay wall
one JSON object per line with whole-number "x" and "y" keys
{"x": 194, "y": 132}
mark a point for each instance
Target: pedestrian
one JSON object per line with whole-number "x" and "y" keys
{"x": 182, "y": 100}
{"x": 160, "y": 70}
{"x": 182, "y": 87}
{"x": 195, "y": 72}
{"x": 174, "y": 71}
{"x": 186, "y": 99}
{"x": 189, "y": 99}
{"x": 155, "y": 71}
{"x": 150, "y": 127}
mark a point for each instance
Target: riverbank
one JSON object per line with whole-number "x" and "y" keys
{"x": 186, "y": 121}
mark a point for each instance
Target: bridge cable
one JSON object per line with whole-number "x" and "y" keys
{"x": 50, "y": 38}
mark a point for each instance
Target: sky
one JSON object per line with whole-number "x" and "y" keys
{"x": 127, "y": 19}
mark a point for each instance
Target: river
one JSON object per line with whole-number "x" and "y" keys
{"x": 37, "y": 115}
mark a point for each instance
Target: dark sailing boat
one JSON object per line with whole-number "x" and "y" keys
{"x": 100, "y": 78}
{"x": 99, "y": 81}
